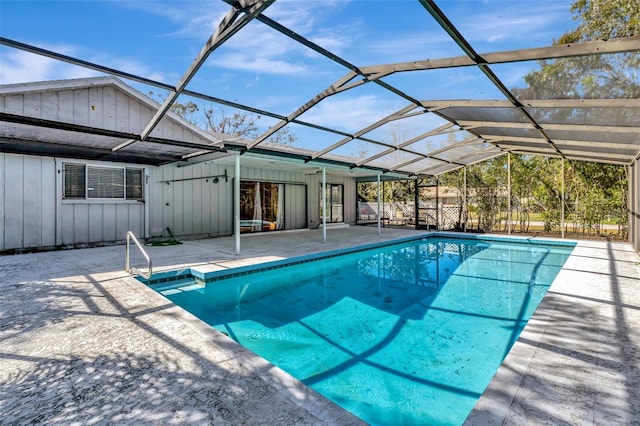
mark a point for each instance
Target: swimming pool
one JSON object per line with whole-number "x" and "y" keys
{"x": 401, "y": 334}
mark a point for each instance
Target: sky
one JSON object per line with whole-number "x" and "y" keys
{"x": 259, "y": 67}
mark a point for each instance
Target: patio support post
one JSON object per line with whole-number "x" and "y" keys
{"x": 416, "y": 200}
{"x": 324, "y": 204}
{"x": 509, "y": 193}
{"x": 464, "y": 201}
{"x": 384, "y": 186}
{"x": 236, "y": 208}
{"x": 438, "y": 210}
{"x": 378, "y": 178}
{"x": 562, "y": 198}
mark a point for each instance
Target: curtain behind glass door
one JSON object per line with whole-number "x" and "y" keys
{"x": 335, "y": 207}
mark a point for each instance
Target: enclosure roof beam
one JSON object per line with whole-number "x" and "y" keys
{"x": 445, "y": 128}
{"x": 572, "y": 157}
{"x": 568, "y": 50}
{"x": 576, "y": 142}
{"x": 396, "y": 115}
{"x": 457, "y": 161}
{"x": 422, "y": 156}
{"x": 470, "y": 124}
{"x": 532, "y": 103}
{"x": 337, "y": 87}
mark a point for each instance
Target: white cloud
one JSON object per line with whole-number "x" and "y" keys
{"x": 257, "y": 47}
{"x": 239, "y": 61}
{"x": 422, "y": 46}
{"x": 349, "y": 114}
{"x": 21, "y": 67}
{"x": 196, "y": 19}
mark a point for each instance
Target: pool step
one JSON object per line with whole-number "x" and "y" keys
{"x": 179, "y": 286}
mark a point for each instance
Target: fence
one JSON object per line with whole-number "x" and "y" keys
{"x": 395, "y": 213}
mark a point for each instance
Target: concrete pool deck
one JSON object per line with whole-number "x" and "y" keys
{"x": 81, "y": 342}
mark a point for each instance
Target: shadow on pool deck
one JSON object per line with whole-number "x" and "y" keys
{"x": 578, "y": 359}
{"x": 83, "y": 342}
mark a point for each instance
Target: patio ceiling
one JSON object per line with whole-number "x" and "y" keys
{"x": 420, "y": 136}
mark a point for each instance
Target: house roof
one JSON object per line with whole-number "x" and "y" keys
{"x": 95, "y": 118}
{"x": 442, "y": 134}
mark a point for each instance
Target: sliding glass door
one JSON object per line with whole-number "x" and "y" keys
{"x": 335, "y": 203}
{"x": 261, "y": 206}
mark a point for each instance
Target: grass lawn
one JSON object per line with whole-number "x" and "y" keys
{"x": 537, "y": 217}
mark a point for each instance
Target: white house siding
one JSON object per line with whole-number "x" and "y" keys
{"x": 28, "y": 201}
{"x": 295, "y": 213}
{"x": 187, "y": 201}
{"x": 35, "y": 215}
{"x": 193, "y": 207}
{"x": 90, "y": 222}
{"x": 106, "y": 103}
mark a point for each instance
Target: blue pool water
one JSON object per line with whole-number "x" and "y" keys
{"x": 409, "y": 333}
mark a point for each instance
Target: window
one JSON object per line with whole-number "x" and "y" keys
{"x": 335, "y": 203}
{"x": 261, "y": 206}
{"x": 134, "y": 184}
{"x": 99, "y": 182}
{"x": 74, "y": 178}
{"x": 105, "y": 182}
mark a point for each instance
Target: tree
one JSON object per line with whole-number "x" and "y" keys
{"x": 186, "y": 111}
{"x": 240, "y": 123}
{"x": 595, "y": 76}
{"x": 592, "y": 189}
{"x": 487, "y": 183}
{"x": 236, "y": 124}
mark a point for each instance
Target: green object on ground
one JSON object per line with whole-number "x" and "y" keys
{"x": 172, "y": 242}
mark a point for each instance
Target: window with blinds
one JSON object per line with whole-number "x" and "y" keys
{"x": 105, "y": 182}
{"x": 95, "y": 182}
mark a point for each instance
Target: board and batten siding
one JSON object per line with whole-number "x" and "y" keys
{"x": 105, "y": 106}
{"x": 28, "y": 201}
{"x": 90, "y": 222}
{"x": 35, "y": 215}
{"x": 295, "y": 213}
{"x": 188, "y": 202}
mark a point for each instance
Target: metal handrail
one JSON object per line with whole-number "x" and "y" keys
{"x": 131, "y": 269}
